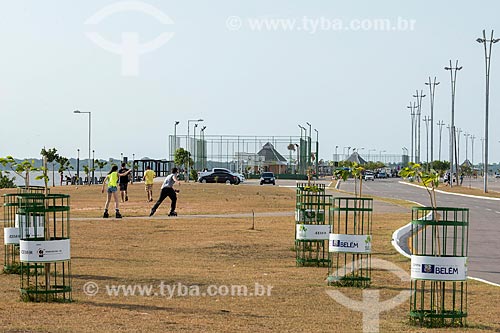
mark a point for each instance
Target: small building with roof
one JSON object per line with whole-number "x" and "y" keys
{"x": 272, "y": 160}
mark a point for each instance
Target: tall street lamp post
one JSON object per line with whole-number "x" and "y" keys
{"x": 488, "y": 43}
{"x": 93, "y": 165}
{"x": 188, "y": 146}
{"x": 309, "y": 146}
{"x": 458, "y": 132}
{"x": 412, "y": 108}
{"x": 432, "y": 90}
{"x": 90, "y": 124}
{"x": 427, "y": 120}
{"x": 317, "y": 150}
{"x": 453, "y": 77}
{"x": 419, "y": 112}
{"x": 472, "y": 137}
{"x": 78, "y": 166}
{"x": 370, "y": 150}
{"x": 173, "y": 147}
{"x": 133, "y": 168}
{"x": 382, "y": 151}
{"x": 203, "y": 157}
{"x": 195, "y": 146}
{"x": 466, "y": 146}
{"x": 440, "y": 124}
{"x": 302, "y": 148}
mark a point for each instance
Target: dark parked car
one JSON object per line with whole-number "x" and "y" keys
{"x": 381, "y": 174}
{"x": 220, "y": 177}
{"x": 267, "y": 178}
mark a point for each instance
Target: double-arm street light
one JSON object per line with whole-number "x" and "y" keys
{"x": 412, "y": 107}
{"x": 90, "y": 126}
{"x": 419, "y": 97}
{"x": 427, "y": 120}
{"x": 453, "y": 77}
{"x": 432, "y": 90}
{"x": 467, "y": 146}
{"x": 440, "y": 124}
{"x": 488, "y": 43}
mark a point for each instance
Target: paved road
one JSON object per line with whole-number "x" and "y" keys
{"x": 484, "y": 218}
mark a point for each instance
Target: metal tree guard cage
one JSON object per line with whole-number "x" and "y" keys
{"x": 350, "y": 242}
{"x": 439, "y": 245}
{"x": 11, "y": 228}
{"x": 311, "y": 225}
{"x": 45, "y": 248}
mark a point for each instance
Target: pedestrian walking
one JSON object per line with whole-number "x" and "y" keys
{"x": 167, "y": 190}
{"x": 123, "y": 182}
{"x": 149, "y": 175}
{"x": 111, "y": 181}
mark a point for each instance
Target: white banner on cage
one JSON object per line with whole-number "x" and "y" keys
{"x": 10, "y": 236}
{"x": 439, "y": 268}
{"x": 312, "y": 231}
{"x": 44, "y": 251}
{"x": 350, "y": 243}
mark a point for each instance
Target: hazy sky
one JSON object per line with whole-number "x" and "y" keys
{"x": 323, "y": 62}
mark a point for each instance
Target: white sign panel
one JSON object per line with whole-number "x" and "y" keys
{"x": 350, "y": 243}
{"x": 30, "y": 226}
{"x": 309, "y": 215}
{"x": 21, "y": 221}
{"x": 312, "y": 231}
{"x": 44, "y": 251}
{"x": 11, "y": 236}
{"x": 439, "y": 268}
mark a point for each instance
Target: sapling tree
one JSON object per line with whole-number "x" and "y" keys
{"x": 87, "y": 171}
{"x": 22, "y": 169}
{"x": 100, "y": 165}
{"x": 182, "y": 157}
{"x": 430, "y": 179}
{"x": 6, "y": 181}
{"x": 355, "y": 171}
{"x": 64, "y": 165}
{"x": 51, "y": 156}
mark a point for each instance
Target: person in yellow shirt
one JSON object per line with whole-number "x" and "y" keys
{"x": 112, "y": 181}
{"x": 149, "y": 175}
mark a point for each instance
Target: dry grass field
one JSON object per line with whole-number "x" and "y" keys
{"x": 210, "y": 247}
